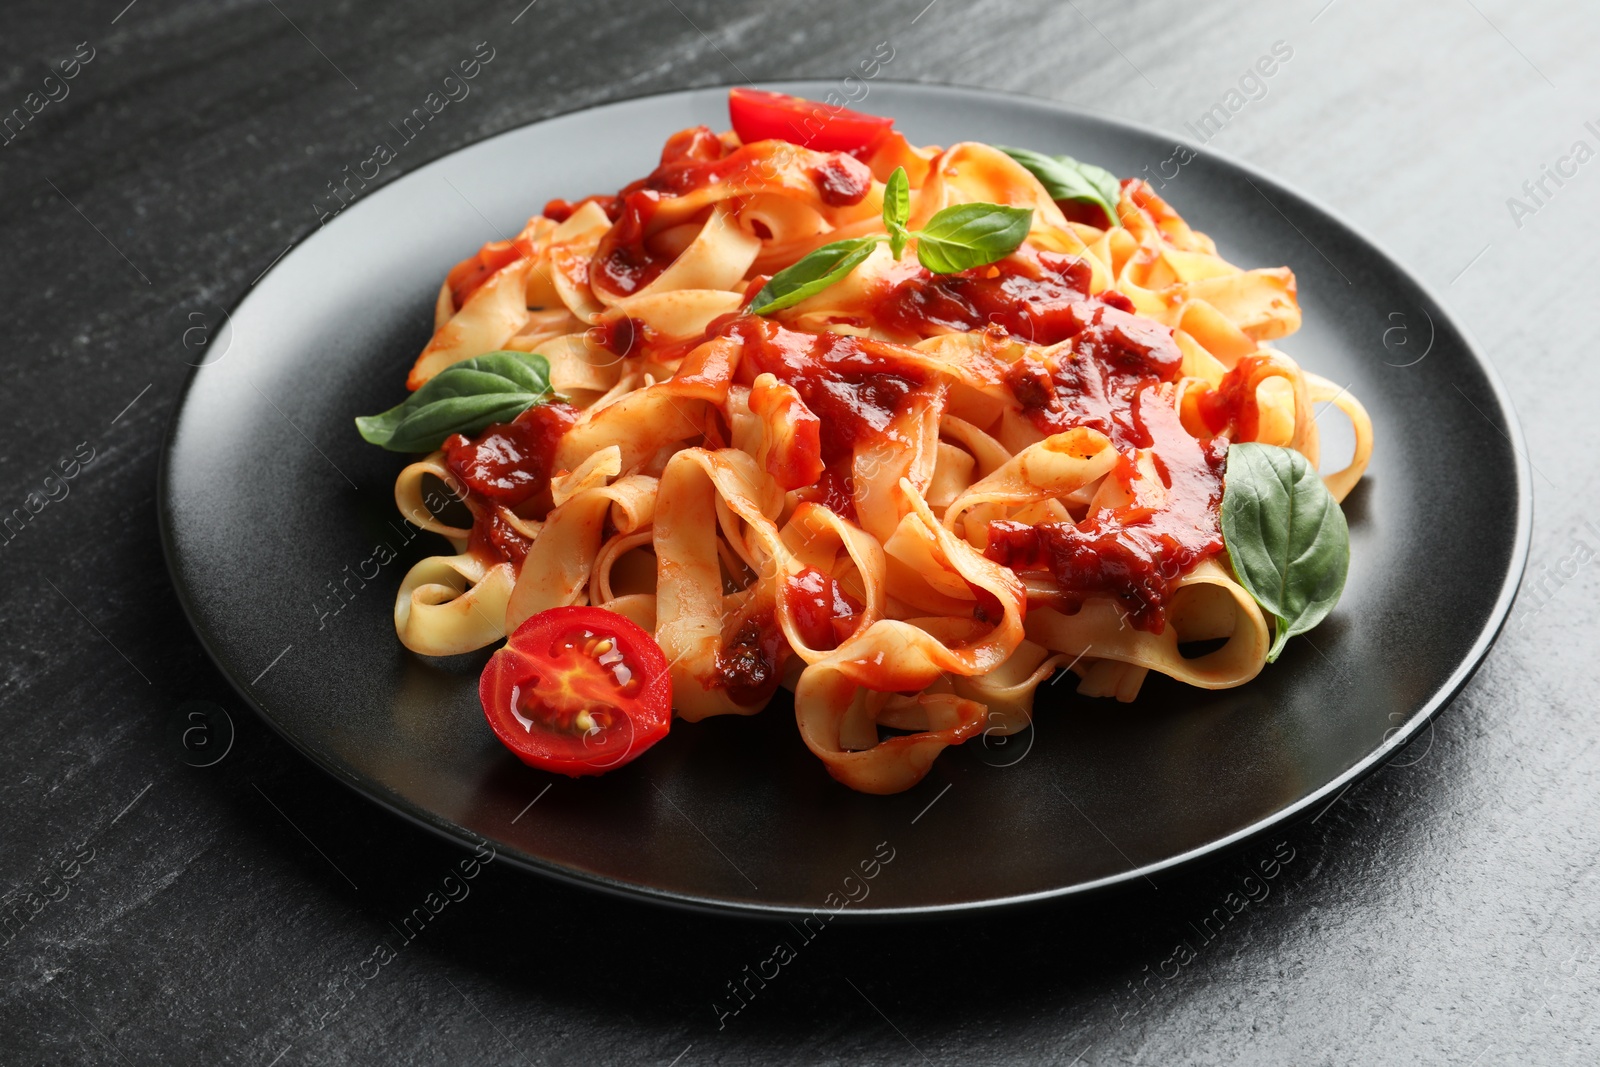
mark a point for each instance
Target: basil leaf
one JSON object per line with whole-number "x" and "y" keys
{"x": 897, "y": 210}
{"x": 463, "y": 398}
{"x": 897, "y": 199}
{"x": 1286, "y": 537}
{"x": 811, "y": 275}
{"x": 971, "y": 235}
{"x": 1064, "y": 178}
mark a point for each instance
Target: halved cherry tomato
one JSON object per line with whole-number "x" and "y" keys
{"x": 759, "y": 116}
{"x": 578, "y": 691}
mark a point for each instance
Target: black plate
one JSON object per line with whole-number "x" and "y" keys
{"x": 270, "y": 501}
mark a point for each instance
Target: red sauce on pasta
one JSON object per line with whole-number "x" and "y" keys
{"x": 693, "y": 159}
{"x": 493, "y": 539}
{"x": 854, "y": 386}
{"x": 1114, "y": 357}
{"x": 624, "y": 263}
{"x": 468, "y": 276}
{"x": 561, "y": 210}
{"x": 622, "y": 336}
{"x": 688, "y": 162}
{"x": 842, "y": 180}
{"x": 1032, "y": 294}
{"x": 508, "y": 465}
{"x": 1107, "y": 381}
{"x": 823, "y": 612}
{"x": 1232, "y": 404}
{"x": 835, "y": 490}
{"x": 1133, "y": 553}
{"x": 750, "y": 667}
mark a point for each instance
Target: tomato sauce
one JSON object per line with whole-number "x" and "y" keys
{"x": 692, "y": 159}
{"x": 1114, "y": 357}
{"x": 622, "y": 336}
{"x": 1032, "y": 294}
{"x": 688, "y": 162}
{"x": 835, "y": 490}
{"x": 842, "y": 180}
{"x": 1086, "y": 213}
{"x": 468, "y": 276}
{"x": 1108, "y": 379}
{"x": 493, "y": 539}
{"x": 623, "y": 264}
{"x": 1232, "y": 404}
{"x": 854, "y": 386}
{"x": 508, "y": 465}
{"x": 559, "y": 210}
{"x": 751, "y": 665}
{"x": 1136, "y": 552}
{"x": 823, "y": 612}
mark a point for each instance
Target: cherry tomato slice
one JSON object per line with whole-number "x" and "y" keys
{"x": 578, "y": 691}
{"x": 759, "y": 116}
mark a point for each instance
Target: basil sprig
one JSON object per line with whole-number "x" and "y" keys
{"x": 1064, "y": 178}
{"x": 1286, "y": 537}
{"x": 955, "y": 239}
{"x": 463, "y": 398}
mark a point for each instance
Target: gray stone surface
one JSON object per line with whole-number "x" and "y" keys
{"x": 1446, "y": 910}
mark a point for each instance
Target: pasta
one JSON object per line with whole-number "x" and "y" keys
{"x": 909, "y": 497}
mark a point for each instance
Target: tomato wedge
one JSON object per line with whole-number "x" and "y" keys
{"x": 760, "y": 116}
{"x": 578, "y": 691}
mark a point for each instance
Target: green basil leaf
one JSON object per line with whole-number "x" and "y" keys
{"x": 463, "y": 398}
{"x": 811, "y": 275}
{"x": 1286, "y": 537}
{"x": 897, "y": 200}
{"x": 897, "y": 210}
{"x": 971, "y": 235}
{"x": 1064, "y": 178}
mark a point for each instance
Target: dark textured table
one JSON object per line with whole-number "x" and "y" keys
{"x": 1445, "y": 910}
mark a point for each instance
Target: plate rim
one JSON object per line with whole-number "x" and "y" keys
{"x": 459, "y": 835}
